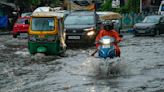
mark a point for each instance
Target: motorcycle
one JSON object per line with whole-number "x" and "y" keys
{"x": 106, "y": 48}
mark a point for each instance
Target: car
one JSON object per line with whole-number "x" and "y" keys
{"x": 21, "y": 26}
{"x": 151, "y": 25}
{"x": 81, "y": 27}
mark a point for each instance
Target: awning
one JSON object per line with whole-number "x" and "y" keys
{"x": 8, "y": 4}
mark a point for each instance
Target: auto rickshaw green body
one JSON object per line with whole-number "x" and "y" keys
{"x": 46, "y": 33}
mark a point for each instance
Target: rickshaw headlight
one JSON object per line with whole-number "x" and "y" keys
{"x": 90, "y": 33}
{"x": 32, "y": 38}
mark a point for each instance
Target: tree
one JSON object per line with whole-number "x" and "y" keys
{"x": 106, "y": 6}
{"x": 130, "y": 6}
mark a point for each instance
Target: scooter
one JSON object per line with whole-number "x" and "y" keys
{"x": 107, "y": 51}
{"x": 106, "y": 48}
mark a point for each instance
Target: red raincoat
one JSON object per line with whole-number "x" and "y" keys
{"x": 111, "y": 33}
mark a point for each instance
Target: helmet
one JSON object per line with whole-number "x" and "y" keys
{"x": 108, "y": 26}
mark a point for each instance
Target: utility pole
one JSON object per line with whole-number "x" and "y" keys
{"x": 69, "y": 5}
{"x": 140, "y": 6}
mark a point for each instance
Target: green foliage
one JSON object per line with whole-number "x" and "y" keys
{"x": 130, "y": 6}
{"x": 106, "y": 6}
{"x": 55, "y": 3}
{"x": 34, "y": 2}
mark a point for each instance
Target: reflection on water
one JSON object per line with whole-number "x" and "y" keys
{"x": 140, "y": 69}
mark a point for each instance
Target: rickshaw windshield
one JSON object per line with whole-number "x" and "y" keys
{"x": 43, "y": 24}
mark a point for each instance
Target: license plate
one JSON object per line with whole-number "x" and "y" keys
{"x": 105, "y": 46}
{"x": 73, "y": 37}
{"x": 23, "y": 34}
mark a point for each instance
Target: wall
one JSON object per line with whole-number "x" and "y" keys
{"x": 129, "y": 19}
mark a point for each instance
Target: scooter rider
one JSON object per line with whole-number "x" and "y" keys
{"x": 108, "y": 30}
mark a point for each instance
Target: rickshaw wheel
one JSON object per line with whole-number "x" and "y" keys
{"x": 14, "y": 36}
{"x": 63, "y": 53}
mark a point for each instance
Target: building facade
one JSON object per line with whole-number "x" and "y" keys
{"x": 148, "y": 5}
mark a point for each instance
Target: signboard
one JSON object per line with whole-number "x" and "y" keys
{"x": 80, "y": 5}
{"x": 115, "y": 3}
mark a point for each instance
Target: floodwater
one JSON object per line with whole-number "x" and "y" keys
{"x": 140, "y": 68}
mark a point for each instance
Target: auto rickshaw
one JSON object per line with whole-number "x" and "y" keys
{"x": 46, "y": 33}
{"x": 111, "y": 17}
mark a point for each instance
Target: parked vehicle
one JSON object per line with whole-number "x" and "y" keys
{"x": 81, "y": 27}
{"x": 151, "y": 25}
{"x": 46, "y": 33}
{"x": 21, "y": 26}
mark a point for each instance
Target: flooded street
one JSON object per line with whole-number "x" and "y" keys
{"x": 141, "y": 68}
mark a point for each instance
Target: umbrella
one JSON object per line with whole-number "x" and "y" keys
{"x": 110, "y": 16}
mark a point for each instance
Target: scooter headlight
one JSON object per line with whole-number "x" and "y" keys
{"x": 106, "y": 41}
{"x": 90, "y": 33}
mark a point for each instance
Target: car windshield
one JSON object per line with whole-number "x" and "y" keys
{"x": 151, "y": 19}
{"x": 43, "y": 24}
{"x": 162, "y": 8}
{"x": 21, "y": 21}
{"x": 79, "y": 20}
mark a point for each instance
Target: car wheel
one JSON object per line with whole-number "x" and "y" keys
{"x": 153, "y": 33}
{"x": 157, "y": 32}
{"x": 63, "y": 53}
{"x": 135, "y": 34}
{"x": 14, "y": 36}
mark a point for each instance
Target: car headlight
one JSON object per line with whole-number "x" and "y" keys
{"x": 89, "y": 29}
{"x": 106, "y": 41}
{"x": 90, "y": 33}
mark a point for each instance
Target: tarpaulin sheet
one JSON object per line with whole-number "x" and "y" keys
{"x": 3, "y": 21}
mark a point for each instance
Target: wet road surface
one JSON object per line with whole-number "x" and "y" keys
{"x": 141, "y": 68}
